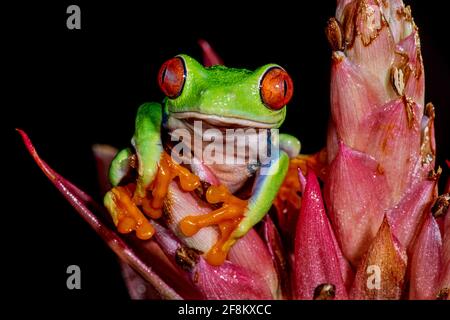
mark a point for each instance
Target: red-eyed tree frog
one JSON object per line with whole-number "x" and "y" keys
{"x": 221, "y": 98}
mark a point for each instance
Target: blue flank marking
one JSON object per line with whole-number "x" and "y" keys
{"x": 260, "y": 181}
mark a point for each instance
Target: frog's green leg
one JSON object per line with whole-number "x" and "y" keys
{"x": 120, "y": 166}
{"x": 267, "y": 186}
{"x": 290, "y": 144}
{"x": 122, "y": 201}
{"x": 264, "y": 192}
{"x": 236, "y": 217}
{"x": 147, "y": 143}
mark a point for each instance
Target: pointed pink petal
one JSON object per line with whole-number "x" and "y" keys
{"x": 406, "y": 217}
{"x": 392, "y": 136}
{"x": 227, "y": 281}
{"x": 318, "y": 259}
{"x": 278, "y": 254}
{"x": 380, "y": 275}
{"x": 354, "y": 95}
{"x": 356, "y": 194}
{"x": 426, "y": 262}
{"x": 210, "y": 57}
{"x": 243, "y": 254}
{"x": 346, "y": 270}
{"x": 81, "y": 201}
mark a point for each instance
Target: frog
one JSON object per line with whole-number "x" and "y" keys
{"x": 219, "y": 97}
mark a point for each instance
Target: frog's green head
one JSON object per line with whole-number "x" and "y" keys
{"x": 225, "y": 96}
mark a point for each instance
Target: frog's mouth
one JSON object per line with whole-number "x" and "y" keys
{"x": 222, "y": 121}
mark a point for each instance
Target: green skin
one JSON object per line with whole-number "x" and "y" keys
{"x": 222, "y": 96}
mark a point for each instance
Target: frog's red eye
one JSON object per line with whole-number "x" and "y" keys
{"x": 171, "y": 77}
{"x": 276, "y": 88}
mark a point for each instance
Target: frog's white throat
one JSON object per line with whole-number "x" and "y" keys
{"x": 231, "y": 175}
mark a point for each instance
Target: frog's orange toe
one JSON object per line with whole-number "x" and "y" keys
{"x": 126, "y": 224}
{"x": 216, "y": 256}
{"x": 216, "y": 194}
{"x": 148, "y": 209}
{"x": 129, "y": 217}
{"x": 188, "y": 181}
{"x": 218, "y": 253}
{"x": 145, "y": 231}
{"x": 189, "y": 226}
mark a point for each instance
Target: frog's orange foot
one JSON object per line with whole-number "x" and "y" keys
{"x": 168, "y": 170}
{"x": 227, "y": 218}
{"x": 126, "y": 215}
{"x": 126, "y": 207}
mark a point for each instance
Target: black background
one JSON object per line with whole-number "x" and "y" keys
{"x": 70, "y": 89}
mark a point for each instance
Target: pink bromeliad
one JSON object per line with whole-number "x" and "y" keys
{"x": 376, "y": 227}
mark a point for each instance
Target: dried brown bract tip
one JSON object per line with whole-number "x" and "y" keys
{"x": 348, "y": 22}
{"x": 187, "y": 257}
{"x": 133, "y": 161}
{"x": 325, "y": 291}
{"x": 429, "y": 110}
{"x": 443, "y": 294}
{"x": 434, "y": 174}
{"x": 409, "y": 108}
{"x": 441, "y": 205}
{"x": 398, "y": 81}
{"x": 334, "y": 35}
